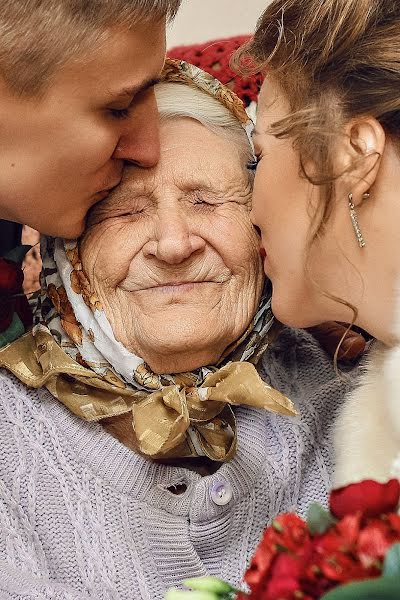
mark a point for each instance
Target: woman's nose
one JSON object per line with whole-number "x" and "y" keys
{"x": 174, "y": 242}
{"x": 139, "y": 143}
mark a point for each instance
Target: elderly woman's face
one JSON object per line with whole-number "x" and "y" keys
{"x": 172, "y": 253}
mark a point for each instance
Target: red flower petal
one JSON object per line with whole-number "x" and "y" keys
{"x": 368, "y": 497}
{"x": 11, "y": 276}
{"x": 341, "y": 568}
{"x": 287, "y": 534}
{"x": 374, "y": 541}
{"x": 394, "y": 521}
{"x": 284, "y": 581}
{"x": 349, "y": 527}
{"x": 279, "y": 589}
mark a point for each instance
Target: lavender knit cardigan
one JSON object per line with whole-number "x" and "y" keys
{"x": 83, "y": 517}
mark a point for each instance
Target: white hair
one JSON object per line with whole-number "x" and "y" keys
{"x": 177, "y": 101}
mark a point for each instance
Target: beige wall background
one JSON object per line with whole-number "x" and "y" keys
{"x": 203, "y": 20}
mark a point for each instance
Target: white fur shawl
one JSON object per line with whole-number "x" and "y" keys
{"x": 367, "y": 433}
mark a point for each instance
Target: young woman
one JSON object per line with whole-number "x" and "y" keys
{"x": 326, "y": 196}
{"x": 76, "y": 101}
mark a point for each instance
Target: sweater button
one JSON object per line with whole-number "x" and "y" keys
{"x": 221, "y": 492}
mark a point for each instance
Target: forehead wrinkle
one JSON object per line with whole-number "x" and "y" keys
{"x": 205, "y": 174}
{"x": 137, "y": 182}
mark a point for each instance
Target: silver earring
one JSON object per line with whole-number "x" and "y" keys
{"x": 354, "y": 220}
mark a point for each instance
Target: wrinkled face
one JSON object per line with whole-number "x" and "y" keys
{"x": 173, "y": 255}
{"x": 61, "y": 153}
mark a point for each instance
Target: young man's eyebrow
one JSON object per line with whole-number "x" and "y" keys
{"x": 136, "y": 89}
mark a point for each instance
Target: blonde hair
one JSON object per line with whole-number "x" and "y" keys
{"x": 37, "y": 37}
{"x": 175, "y": 100}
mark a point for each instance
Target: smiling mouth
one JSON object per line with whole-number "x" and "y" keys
{"x": 180, "y": 286}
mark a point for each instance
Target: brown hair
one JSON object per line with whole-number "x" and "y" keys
{"x": 335, "y": 60}
{"x": 37, "y": 37}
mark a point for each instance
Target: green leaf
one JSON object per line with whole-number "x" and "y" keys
{"x": 14, "y": 331}
{"x": 318, "y": 519}
{"x": 175, "y": 594}
{"x": 391, "y": 565}
{"x": 209, "y": 584}
{"x": 381, "y": 588}
{"x": 277, "y": 526}
{"x": 17, "y": 254}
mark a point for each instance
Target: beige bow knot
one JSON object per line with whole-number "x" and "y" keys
{"x": 175, "y": 421}
{"x": 178, "y": 421}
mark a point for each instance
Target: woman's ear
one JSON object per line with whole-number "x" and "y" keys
{"x": 359, "y": 155}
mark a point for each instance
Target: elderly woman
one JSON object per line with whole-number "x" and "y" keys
{"x": 137, "y": 467}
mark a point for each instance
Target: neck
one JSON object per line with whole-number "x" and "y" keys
{"x": 378, "y": 264}
{"x": 182, "y": 362}
{"x": 381, "y": 317}
{"x": 6, "y": 212}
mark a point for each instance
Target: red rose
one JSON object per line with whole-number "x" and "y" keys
{"x": 349, "y": 527}
{"x": 284, "y": 579}
{"x": 341, "y": 568}
{"x": 284, "y": 547}
{"x": 394, "y": 522}
{"x": 11, "y": 276}
{"x": 368, "y": 497}
{"x": 340, "y": 537}
{"x": 374, "y": 541}
{"x": 12, "y": 298}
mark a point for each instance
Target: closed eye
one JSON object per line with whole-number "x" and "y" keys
{"x": 119, "y": 113}
{"x": 201, "y": 201}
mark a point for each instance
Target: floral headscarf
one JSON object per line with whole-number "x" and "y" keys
{"x": 73, "y": 352}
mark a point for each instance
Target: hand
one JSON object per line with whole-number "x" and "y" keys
{"x": 329, "y": 336}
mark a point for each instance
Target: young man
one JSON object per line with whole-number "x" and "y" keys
{"x": 76, "y": 102}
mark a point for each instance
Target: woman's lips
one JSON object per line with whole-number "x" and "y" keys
{"x": 99, "y": 196}
{"x": 265, "y": 260}
{"x": 102, "y": 194}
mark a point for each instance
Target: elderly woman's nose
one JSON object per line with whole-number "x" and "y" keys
{"x": 174, "y": 241}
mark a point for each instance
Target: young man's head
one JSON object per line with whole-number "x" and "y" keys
{"x": 76, "y": 101}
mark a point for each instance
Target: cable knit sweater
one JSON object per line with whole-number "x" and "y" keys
{"x": 82, "y": 516}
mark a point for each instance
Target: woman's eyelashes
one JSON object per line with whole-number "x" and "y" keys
{"x": 252, "y": 164}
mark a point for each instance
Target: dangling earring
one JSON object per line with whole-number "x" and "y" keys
{"x": 354, "y": 220}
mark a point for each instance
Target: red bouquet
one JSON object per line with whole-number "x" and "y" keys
{"x": 15, "y": 313}
{"x": 351, "y": 552}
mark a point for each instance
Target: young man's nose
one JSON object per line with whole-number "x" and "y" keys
{"x": 140, "y": 142}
